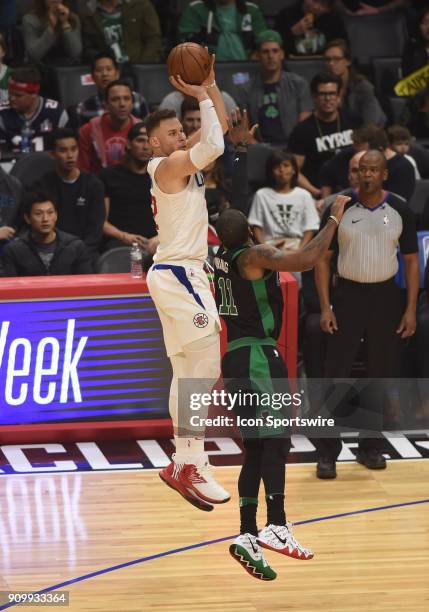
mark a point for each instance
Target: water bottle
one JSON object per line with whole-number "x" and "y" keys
{"x": 27, "y": 133}
{"x": 136, "y": 261}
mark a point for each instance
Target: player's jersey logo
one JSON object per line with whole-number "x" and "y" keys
{"x": 201, "y": 320}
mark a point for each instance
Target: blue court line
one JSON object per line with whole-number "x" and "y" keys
{"x": 106, "y": 570}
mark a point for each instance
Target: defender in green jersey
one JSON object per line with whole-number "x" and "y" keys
{"x": 250, "y": 302}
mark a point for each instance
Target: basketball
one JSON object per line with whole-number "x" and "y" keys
{"x": 190, "y": 61}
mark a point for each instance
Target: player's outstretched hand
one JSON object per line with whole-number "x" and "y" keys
{"x": 238, "y": 128}
{"x": 337, "y": 208}
{"x": 196, "y": 91}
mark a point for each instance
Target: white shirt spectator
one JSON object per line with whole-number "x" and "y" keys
{"x": 284, "y": 215}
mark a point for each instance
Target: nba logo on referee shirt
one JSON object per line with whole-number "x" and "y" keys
{"x": 386, "y": 220}
{"x": 201, "y": 320}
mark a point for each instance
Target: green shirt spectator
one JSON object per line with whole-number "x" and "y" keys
{"x": 227, "y": 27}
{"x": 128, "y": 28}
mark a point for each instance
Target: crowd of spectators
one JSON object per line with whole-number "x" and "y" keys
{"x": 313, "y": 130}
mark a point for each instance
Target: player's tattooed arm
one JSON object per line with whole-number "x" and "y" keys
{"x": 266, "y": 257}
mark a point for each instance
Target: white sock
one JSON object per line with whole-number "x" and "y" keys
{"x": 188, "y": 448}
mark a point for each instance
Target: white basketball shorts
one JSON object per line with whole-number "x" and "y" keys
{"x": 185, "y": 304}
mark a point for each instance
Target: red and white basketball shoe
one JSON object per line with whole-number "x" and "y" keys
{"x": 198, "y": 480}
{"x": 280, "y": 539}
{"x": 170, "y": 475}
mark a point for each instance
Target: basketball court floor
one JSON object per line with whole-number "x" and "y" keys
{"x": 119, "y": 540}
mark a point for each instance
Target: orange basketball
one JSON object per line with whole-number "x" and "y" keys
{"x": 190, "y": 61}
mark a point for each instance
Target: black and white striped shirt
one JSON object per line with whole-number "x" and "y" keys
{"x": 368, "y": 238}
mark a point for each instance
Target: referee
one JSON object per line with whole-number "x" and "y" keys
{"x": 367, "y": 302}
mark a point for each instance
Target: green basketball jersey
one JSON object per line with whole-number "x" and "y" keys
{"x": 249, "y": 308}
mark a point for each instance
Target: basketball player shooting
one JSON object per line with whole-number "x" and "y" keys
{"x": 177, "y": 282}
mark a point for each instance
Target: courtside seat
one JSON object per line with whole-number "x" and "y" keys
{"x": 271, "y": 8}
{"x": 230, "y": 75}
{"x": 387, "y": 72}
{"x": 30, "y": 167}
{"x": 114, "y": 261}
{"x": 306, "y": 67}
{"x": 151, "y": 80}
{"x": 376, "y": 36}
{"x": 397, "y": 106}
{"x": 74, "y": 84}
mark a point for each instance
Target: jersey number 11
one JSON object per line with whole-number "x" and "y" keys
{"x": 227, "y": 305}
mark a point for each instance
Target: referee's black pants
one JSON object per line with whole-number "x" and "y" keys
{"x": 363, "y": 310}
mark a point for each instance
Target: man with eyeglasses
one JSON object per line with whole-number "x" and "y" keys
{"x": 325, "y": 132}
{"x": 357, "y": 93}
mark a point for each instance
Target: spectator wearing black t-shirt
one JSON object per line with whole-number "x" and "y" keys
{"x": 400, "y": 172}
{"x": 325, "y": 132}
{"x": 77, "y": 194}
{"x": 334, "y": 174}
{"x": 128, "y": 199}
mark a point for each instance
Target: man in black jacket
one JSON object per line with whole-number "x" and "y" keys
{"x": 77, "y": 194}
{"x": 43, "y": 250}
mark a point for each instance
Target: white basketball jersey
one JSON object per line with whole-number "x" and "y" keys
{"x": 181, "y": 219}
